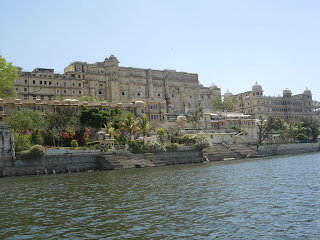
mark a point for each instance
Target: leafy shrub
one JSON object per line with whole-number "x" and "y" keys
{"x": 171, "y": 146}
{"x": 82, "y": 136}
{"x": 136, "y": 147}
{"x": 203, "y": 142}
{"x": 34, "y": 153}
{"x": 74, "y": 143}
{"x": 154, "y": 147}
{"x": 21, "y": 142}
{"x": 188, "y": 140}
{"x": 36, "y": 138}
{"x": 301, "y": 137}
{"x": 121, "y": 139}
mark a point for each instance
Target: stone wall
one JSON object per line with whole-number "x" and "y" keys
{"x": 292, "y": 148}
{"x": 56, "y": 161}
{"x": 125, "y": 159}
{"x": 6, "y": 144}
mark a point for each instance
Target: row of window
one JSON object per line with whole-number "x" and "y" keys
{"x": 41, "y": 82}
{"x": 156, "y": 117}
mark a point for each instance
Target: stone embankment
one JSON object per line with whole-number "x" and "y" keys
{"x": 64, "y": 160}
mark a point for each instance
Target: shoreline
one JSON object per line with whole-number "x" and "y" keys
{"x": 67, "y": 161}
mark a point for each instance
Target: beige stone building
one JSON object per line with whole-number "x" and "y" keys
{"x": 108, "y": 81}
{"x": 288, "y": 106}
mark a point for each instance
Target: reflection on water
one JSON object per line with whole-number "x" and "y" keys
{"x": 276, "y": 198}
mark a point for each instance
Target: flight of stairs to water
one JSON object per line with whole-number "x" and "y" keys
{"x": 128, "y": 160}
{"x": 228, "y": 151}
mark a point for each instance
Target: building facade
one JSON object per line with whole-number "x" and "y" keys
{"x": 108, "y": 81}
{"x": 288, "y": 106}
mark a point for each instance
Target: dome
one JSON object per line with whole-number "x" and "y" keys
{"x": 256, "y": 87}
{"x": 307, "y": 91}
{"x": 213, "y": 86}
{"x": 139, "y": 104}
{"x": 286, "y": 90}
{"x": 181, "y": 118}
{"x": 228, "y": 94}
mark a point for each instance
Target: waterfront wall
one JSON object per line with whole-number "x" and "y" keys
{"x": 65, "y": 160}
{"x": 292, "y": 148}
{"x": 129, "y": 160}
{"x": 56, "y": 161}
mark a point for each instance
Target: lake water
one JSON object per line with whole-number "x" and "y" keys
{"x": 270, "y": 198}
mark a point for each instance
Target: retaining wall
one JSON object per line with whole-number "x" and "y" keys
{"x": 292, "y": 148}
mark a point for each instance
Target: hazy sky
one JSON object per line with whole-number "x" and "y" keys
{"x": 232, "y": 43}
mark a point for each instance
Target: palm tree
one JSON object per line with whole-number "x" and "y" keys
{"x": 144, "y": 125}
{"x": 129, "y": 124}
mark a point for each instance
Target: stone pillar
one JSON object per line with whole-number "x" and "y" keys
{"x": 6, "y": 143}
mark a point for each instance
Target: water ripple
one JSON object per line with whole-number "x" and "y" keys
{"x": 276, "y": 198}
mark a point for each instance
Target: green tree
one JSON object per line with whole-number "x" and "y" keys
{"x": 228, "y": 104}
{"x": 58, "y": 121}
{"x": 97, "y": 118}
{"x": 316, "y": 106}
{"x": 161, "y": 133}
{"x": 129, "y": 124}
{"x": 267, "y": 126}
{"x": 144, "y": 125}
{"x": 301, "y": 137}
{"x": 8, "y": 74}
{"x": 195, "y": 115}
{"x": 310, "y": 127}
{"x": 23, "y": 122}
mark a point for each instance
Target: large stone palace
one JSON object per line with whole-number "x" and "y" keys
{"x": 165, "y": 96}
{"x": 110, "y": 82}
{"x": 288, "y": 106}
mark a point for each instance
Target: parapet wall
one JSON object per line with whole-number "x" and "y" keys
{"x": 292, "y": 148}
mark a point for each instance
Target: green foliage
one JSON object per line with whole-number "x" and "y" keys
{"x": 82, "y": 136}
{"x": 96, "y": 118}
{"x": 188, "y": 140}
{"x": 121, "y": 139}
{"x": 34, "y": 153}
{"x": 144, "y": 125}
{"x": 36, "y": 137}
{"x": 25, "y": 120}
{"x": 154, "y": 147}
{"x": 161, "y": 133}
{"x": 21, "y": 142}
{"x": 311, "y": 127}
{"x": 227, "y": 104}
{"x": 136, "y": 147}
{"x": 316, "y": 106}
{"x": 58, "y": 121}
{"x": 8, "y": 75}
{"x": 267, "y": 126}
{"x": 129, "y": 124}
{"x": 239, "y": 130}
{"x": 195, "y": 115}
{"x": 301, "y": 137}
{"x": 171, "y": 146}
{"x": 202, "y": 142}
{"x": 74, "y": 143}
